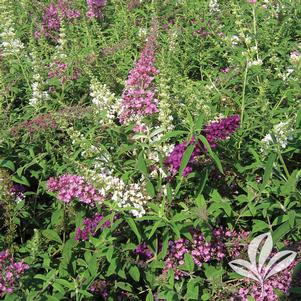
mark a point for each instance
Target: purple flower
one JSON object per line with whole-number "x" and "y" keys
{"x": 40, "y": 123}
{"x": 214, "y": 132}
{"x": 202, "y": 250}
{"x": 71, "y": 187}
{"x": 138, "y": 98}
{"x": 143, "y": 251}
{"x": 221, "y": 130}
{"x": 90, "y": 226}
{"x": 173, "y": 161}
{"x": 51, "y": 20}
{"x": 10, "y": 272}
{"x": 17, "y": 191}
{"x": 100, "y": 287}
{"x": 95, "y": 8}
{"x": 281, "y": 281}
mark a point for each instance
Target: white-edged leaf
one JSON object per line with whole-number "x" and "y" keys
{"x": 265, "y": 251}
{"x": 253, "y": 248}
{"x": 250, "y": 271}
{"x": 282, "y": 265}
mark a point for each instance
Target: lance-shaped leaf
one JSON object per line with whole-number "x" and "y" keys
{"x": 281, "y": 264}
{"x": 245, "y": 268}
{"x": 253, "y": 248}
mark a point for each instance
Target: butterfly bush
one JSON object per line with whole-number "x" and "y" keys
{"x": 100, "y": 287}
{"x": 281, "y": 281}
{"x": 223, "y": 242}
{"x": 174, "y": 159}
{"x": 90, "y": 227}
{"x": 95, "y": 8}
{"x": 52, "y": 19}
{"x": 221, "y": 129}
{"x": 282, "y": 132}
{"x": 41, "y": 123}
{"x": 10, "y": 44}
{"x": 131, "y": 196}
{"x": 214, "y": 132}
{"x": 38, "y": 93}
{"x": 17, "y": 192}
{"x": 10, "y": 272}
{"x": 138, "y": 97}
{"x": 70, "y": 187}
{"x": 104, "y": 101}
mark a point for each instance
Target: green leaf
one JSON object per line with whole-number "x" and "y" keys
{"x": 281, "y": 231}
{"x": 134, "y": 228}
{"x": 259, "y": 226}
{"x": 20, "y": 180}
{"x": 134, "y": 272}
{"x": 192, "y": 290}
{"x": 172, "y": 134}
{"x": 93, "y": 266}
{"x": 298, "y": 119}
{"x": 189, "y": 263}
{"x": 154, "y": 228}
{"x": 150, "y": 188}
{"x": 141, "y": 164}
{"x": 125, "y": 286}
{"x": 268, "y": 170}
{"x": 291, "y": 218}
{"x": 65, "y": 283}
{"x": 185, "y": 159}
{"x": 8, "y": 164}
{"x": 211, "y": 153}
{"x": 149, "y": 296}
{"x": 51, "y": 235}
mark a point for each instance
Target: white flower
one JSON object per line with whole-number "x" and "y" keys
{"x": 255, "y": 63}
{"x": 235, "y": 40}
{"x": 214, "y": 6}
{"x": 282, "y": 133}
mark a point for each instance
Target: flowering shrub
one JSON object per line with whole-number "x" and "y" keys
{"x": 145, "y": 146}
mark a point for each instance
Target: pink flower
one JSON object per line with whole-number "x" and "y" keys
{"x": 138, "y": 98}
{"x": 71, "y": 187}
{"x": 10, "y": 272}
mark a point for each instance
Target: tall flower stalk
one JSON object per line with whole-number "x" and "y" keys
{"x": 138, "y": 97}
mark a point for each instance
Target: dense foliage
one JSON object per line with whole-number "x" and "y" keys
{"x": 144, "y": 144}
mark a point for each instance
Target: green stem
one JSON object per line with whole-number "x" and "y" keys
{"x": 243, "y": 95}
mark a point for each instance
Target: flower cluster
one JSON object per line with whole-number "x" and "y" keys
{"x": 53, "y": 15}
{"x": 41, "y": 123}
{"x": 95, "y": 8}
{"x": 174, "y": 159}
{"x": 11, "y": 271}
{"x": 17, "y": 192}
{"x": 90, "y": 227}
{"x": 214, "y": 132}
{"x": 132, "y": 196}
{"x": 5, "y": 185}
{"x": 38, "y": 94}
{"x": 165, "y": 113}
{"x": 10, "y": 44}
{"x": 100, "y": 287}
{"x": 143, "y": 251}
{"x": 282, "y": 133}
{"x": 104, "y": 100}
{"x": 281, "y": 281}
{"x": 58, "y": 69}
{"x": 70, "y": 187}
{"x": 201, "y": 250}
{"x": 295, "y": 56}
{"x": 138, "y": 98}
{"x": 221, "y": 129}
